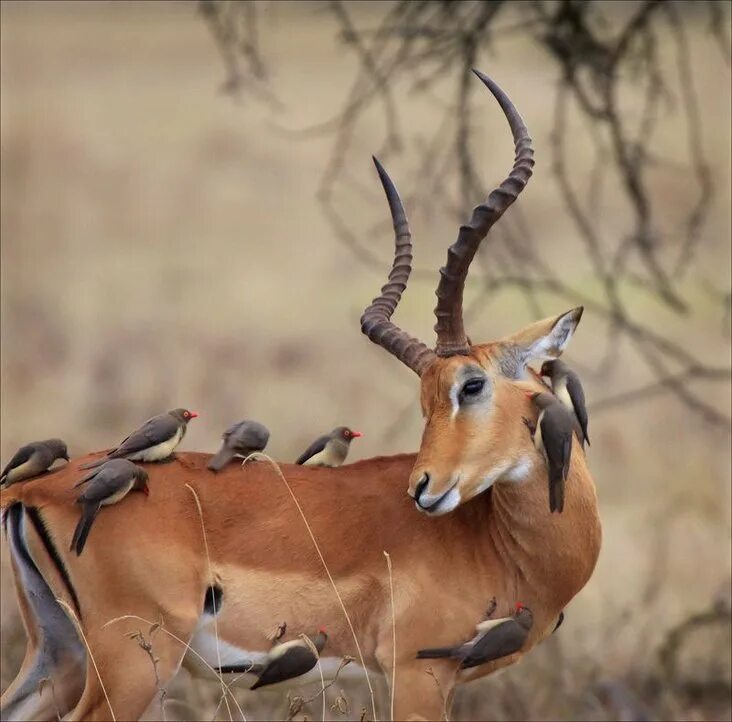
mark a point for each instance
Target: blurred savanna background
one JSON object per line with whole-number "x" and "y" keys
{"x": 190, "y": 217}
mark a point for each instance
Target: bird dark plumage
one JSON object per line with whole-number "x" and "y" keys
{"x": 329, "y": 450}
{"x": 567, "y": 387}
{"x": 289, "y": 660}
{"x": 240, "y": 439}
{"x": 108, "y": 484}
{"x": 33, "y": 459}
{"x": 155, "y": 440}
{"x": 496, "y": 638}
{"x": 553, "y": 438}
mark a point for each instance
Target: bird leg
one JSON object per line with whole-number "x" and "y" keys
{"x": 490, "y": 610}
{"x": 530, "y": 425}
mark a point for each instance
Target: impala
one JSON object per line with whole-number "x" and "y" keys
{"x": 474, "y": 524}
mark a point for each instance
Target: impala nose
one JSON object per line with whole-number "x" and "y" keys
{"x": 421, "y": 486}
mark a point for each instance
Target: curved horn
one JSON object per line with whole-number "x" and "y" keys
{"x": 451, "y": 337}
{"x": 375, "y": 321}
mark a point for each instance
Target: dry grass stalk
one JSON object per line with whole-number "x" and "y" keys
{"x": 72, "y": 615}
{"x": 146, "y": 646}
{"x": 259, "y": 454}
{"x": 393, "y": 634}
{"x": 211, "y": 581}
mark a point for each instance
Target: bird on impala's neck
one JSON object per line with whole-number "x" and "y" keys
{"x": 155, "y": 440}
{"x": 33, "y": 459}
{"x": 108, "y": 484}
{"x": 567, "y": 387}
{"x": 496, "y": 638}
{"x": 552, "y": 435}
{"x": 291, "y": 659}
{"x": 329, "y": 450}
{"x": 240, "y": 439}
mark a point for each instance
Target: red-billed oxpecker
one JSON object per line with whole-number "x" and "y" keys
{"x": 496, "y": 638}
{"x": 329, "y": 450}
{"x": 32, "y": 460}
{"x": 553, "y": 434}
{"x": 289, "y": 660}
{"x": 108, "y": 484}
{"x": 240, "y": 439}
{"x": 568, "y": 389}
{"x": 155, "y": 440}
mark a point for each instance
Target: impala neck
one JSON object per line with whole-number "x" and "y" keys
{"x": 549, "y": 555}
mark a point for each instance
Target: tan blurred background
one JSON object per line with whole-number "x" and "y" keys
{"x": 162, "y": 246}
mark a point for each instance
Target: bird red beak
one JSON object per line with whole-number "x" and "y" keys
{"x": 193, "y": 415}
{"x": 356, "y": 434}
{"x": 146, "y": 490}
{"x": 519, "y": 606}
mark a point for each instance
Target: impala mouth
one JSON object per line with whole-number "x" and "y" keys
{"x": 434, "y": 505}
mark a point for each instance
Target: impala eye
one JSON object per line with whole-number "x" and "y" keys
{"x": 473, "y": 387}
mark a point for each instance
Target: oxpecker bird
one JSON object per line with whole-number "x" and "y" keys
{"x": 33, "y": 459}
{"x": 568, "y": 389}
{"x": 289, "y": 660}
{"x": 553, "y": 438}
{"x": 240, "y": 439}
{"x": 155, "y": 440}
{"x": 329, "y": 450}
{"x": 496, "y": 638}
{"x": 108, "y": 484}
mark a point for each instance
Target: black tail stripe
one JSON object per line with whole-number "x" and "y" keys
{"x": 39, "y": 525}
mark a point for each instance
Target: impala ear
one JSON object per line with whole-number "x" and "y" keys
{"x": 545, "y": 339}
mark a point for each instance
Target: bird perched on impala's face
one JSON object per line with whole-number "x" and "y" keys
{"x": 108, "y": 484}
{"x": 568, "y": 389}
{"x": 329, "y": 450}
{"x": 290, "y": 660}
{"x": 496, "y": 638}
{"x": 155, "y": 440}
{"x": 553, "y": 438}
{"x": 240, "y": 439}
{"x": 33, "y": 459}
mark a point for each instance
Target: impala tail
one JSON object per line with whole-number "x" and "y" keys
{"x": 51, "y": 678}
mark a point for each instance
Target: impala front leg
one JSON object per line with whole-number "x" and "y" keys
{"x": 424, "y": 690}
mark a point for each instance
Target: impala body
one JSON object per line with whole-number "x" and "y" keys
{"x": 463, "y": 520}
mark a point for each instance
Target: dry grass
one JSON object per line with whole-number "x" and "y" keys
{"x": 161, "y": 246}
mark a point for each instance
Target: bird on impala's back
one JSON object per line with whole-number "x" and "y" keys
{"x": 567, "y": 387}
{"x": 553, "y": 434}
{"x": 496, "y": 638}
{"x": 289, "y": 660}
{"x": 240, "y": 439}
{"x": 155, "y": 440}
{"x": 329, "y": 450}
{"x": 33, "y": 459}
{"x": 108, "y": 484}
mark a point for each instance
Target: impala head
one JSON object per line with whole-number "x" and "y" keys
{"x": 471, "y": 402}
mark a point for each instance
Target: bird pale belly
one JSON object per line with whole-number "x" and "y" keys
{"x": 159, "y": 452}
{"x": 119, "y": 495}
{"x": 563, "y": 395}
{"x": 18, "y": 472}
{"x": 327, "y": 457}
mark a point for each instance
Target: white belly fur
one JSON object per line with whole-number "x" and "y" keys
{"x": 159, "y": 452}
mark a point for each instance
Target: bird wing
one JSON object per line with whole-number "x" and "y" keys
{"x": 577, "y": 394}
{"x": 315, "y": 448}
{"x": 296, "y": 661}
{"x": 499, "y": 641}
{"x": 20, "y": 457}
{"x": 107, "y": 483}
{"x": 153, "y": 432}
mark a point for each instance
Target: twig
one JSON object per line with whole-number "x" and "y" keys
{"x": 393, "y": 632}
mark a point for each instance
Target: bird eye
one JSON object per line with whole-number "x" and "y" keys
{"x": 186, "y": 414}
{"x": 473, "y": 387}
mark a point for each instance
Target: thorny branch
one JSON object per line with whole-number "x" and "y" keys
{"x": 604, "y": 59}
{"x": 146, "y": 645}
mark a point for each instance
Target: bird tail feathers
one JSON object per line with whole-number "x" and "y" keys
{"x": 438, "y": 652}
{"x": 95, "y": 463}
{"x": 82, "y": 530}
